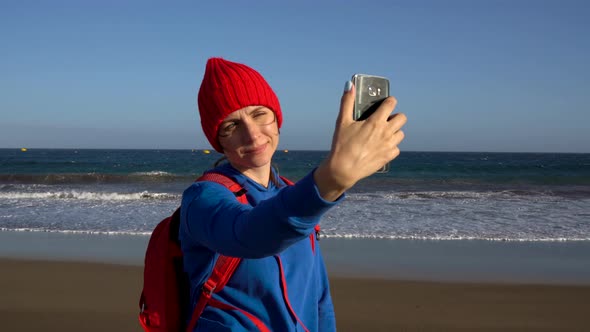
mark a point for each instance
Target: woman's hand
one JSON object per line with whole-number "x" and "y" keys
{"x": 359, "y": 148}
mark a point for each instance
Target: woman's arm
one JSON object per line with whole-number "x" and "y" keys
{"x": 211, "y": 216}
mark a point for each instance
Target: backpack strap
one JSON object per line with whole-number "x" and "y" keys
{"x": 227, "y": 182}
{"x": 225, "y": 266}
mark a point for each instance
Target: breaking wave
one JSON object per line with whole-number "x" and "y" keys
{"x": 94, "y": 178}
{"x": 90, "y": 196}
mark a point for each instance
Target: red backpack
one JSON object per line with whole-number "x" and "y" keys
{"x": 166, "y": 290}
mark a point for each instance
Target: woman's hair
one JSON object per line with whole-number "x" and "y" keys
{"x": 274, "y": 179}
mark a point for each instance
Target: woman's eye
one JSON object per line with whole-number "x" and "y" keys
{"x": 229, "y": 126}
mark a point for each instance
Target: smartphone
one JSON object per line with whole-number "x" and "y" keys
{"x": 371, "y": 90}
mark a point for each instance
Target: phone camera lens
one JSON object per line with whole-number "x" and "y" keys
{"x": 372, "y": 91}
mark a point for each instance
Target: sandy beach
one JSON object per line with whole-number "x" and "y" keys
{"x": 71, "y": 296}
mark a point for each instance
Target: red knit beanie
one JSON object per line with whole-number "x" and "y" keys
{"x": 227, "y": 87}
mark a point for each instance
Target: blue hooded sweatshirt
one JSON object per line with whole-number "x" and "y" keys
{"x": 272, "y": 236}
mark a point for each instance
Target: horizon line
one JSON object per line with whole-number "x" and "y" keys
{"x": 289, "y": 150}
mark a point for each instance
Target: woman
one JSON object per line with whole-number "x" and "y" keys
{"x": 281, "y": 281}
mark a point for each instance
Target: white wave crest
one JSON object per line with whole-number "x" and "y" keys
{"x": 152, "y": 173}
{"x": 427, "y": 195}
{"x": 323, "y": 235}
{"x": 449, "y": 238}
{"x": 89, "y": 196}
{"x": 84, "y": 232}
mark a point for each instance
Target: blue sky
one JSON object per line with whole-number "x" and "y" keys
{"x": 470, "y": 75}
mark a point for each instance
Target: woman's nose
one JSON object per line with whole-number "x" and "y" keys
{"x": 250, "y": 129}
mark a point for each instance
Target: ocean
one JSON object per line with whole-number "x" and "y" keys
{"x": 426, "y": 195}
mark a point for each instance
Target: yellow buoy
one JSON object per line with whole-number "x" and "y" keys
{"x": 285, "y": 151}
{"x": 23, "y": 149}
{"x": 206, "y": 151}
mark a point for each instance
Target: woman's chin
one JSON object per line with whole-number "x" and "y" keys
{"x": 257, "y": 162}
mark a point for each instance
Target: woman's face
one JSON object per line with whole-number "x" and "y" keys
{"x": 249, "y": 137}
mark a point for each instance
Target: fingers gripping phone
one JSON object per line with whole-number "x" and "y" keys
{"x": 370, "y": 92}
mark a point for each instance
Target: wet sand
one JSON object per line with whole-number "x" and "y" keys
{"x": 70, "y": 296}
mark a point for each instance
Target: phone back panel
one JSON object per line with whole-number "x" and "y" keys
{"x": 370, "y": 92}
